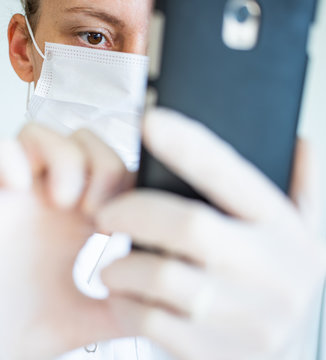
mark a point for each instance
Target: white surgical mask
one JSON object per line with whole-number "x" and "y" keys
{"x": 99, "y": 90}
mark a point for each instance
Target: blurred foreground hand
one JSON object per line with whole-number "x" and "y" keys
{"x": 50, "y": 185}
{"x": 236, "y": 286}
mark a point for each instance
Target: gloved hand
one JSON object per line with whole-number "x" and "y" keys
{"x": 236, "y": 286}
{"x": 49, "y": 187}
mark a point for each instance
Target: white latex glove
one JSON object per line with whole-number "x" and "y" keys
{"x": 228, "y": 287}
{"x": 43, "y": 227}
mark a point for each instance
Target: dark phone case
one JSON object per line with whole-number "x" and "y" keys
{"x": 249, "y": 98}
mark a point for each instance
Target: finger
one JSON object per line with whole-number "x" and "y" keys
{"x": 212, "y": 167}
{"x": 107, "y": 173}
{"x": 175, "y": 334}
{"x": 305, "y": 190}
{"x": 181, "y": 227}
{"x": 159, "y": 280}
{"x": 60, "y": 158}
{"x": 194, "y": 293}
{"x": 14, "y": 168}
{"x": 161, "y": 221}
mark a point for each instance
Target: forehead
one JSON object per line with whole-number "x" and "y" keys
{"x": 133, "y": 13}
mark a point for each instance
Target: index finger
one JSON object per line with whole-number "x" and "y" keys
{"x": 213, "y": 167}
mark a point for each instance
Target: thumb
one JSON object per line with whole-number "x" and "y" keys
{"x": 63, "y": 160}
{"x": 305, "y": 189}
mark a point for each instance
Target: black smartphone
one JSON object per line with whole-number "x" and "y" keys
{"x": 237, "y": 66}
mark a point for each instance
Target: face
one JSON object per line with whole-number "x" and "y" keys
{"x": 116, "y": 25}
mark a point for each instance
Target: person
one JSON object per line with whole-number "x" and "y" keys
{"x": 120, "y": 27}
{"x": 245, "y": 285}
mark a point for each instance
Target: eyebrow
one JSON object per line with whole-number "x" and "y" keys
{"x": 108, "y": 18}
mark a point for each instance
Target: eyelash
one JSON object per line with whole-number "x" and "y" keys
{"x": 106, "y": 39}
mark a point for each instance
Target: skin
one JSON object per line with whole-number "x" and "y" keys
{"x": 246, "y": 279}
{"x": 55, "y": 317}
{"x": 122, "y": 25}
{"x": 71, "y": 178}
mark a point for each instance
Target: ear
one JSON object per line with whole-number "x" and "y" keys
{"x": 19, "y": 48}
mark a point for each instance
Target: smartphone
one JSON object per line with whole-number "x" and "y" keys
{"x": 237, "y": 66}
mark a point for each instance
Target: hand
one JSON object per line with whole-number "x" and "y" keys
{"x": 80, "y": 170}
{"x": 43, "y": 227}
{"x": 235, "y": 286}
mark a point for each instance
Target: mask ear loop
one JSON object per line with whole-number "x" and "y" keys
{"x": 38, "y": 50}
{"x": 33, "y": 38}
{"x": 28, "y": 95}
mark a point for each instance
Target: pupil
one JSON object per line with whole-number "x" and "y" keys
{"x": 95, "y": 38}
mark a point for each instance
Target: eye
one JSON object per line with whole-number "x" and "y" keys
{"x": 93, "y": 38}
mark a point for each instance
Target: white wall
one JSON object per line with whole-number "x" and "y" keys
{"x": 313, "y": 116}
{"x": 13, "y": 92}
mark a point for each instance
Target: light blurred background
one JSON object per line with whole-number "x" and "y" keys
{"x": 13, "y": 92}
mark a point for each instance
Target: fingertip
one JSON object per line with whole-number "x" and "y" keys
{"x": 166, "y": 132}
{"x": 68, "y": 180}
{"x": 157, "y": 122}
{"x": 66, "y": 192}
